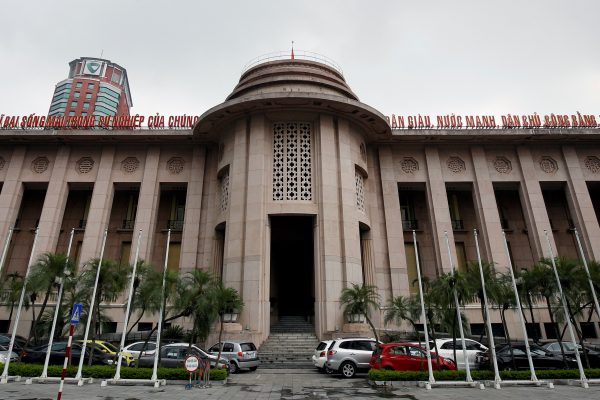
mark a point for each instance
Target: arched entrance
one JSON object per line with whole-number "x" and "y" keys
{"x": 292, "y": 289}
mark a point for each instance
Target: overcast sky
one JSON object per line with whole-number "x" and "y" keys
{"x": 402, "y": 57}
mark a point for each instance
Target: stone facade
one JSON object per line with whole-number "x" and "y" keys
{"x": 293, "y": 146}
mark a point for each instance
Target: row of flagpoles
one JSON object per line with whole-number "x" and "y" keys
{"x": 5, "y": 377}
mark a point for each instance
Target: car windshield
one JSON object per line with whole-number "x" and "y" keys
{"x": 110, "y": 346}
{"x": 248, "y": 346}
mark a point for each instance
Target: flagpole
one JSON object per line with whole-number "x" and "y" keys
{"x": 459, "y": 316}
{"x": 57, "y": 308}
{"x": 5, "y": 251}
{"x": 587, "y": 271}
{"x": 90, "y": 313}
{"x": 126, "y": 322}
{"x": 161, "y": 313}
{"x": 4, "y": 377}
{"x": 429, "y": 366}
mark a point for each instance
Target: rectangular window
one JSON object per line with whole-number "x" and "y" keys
{"x": 461, "y": 257}
{"x": 71, "y": 113}
{"x": 174, "y": 253}
{"x": 73, "y": 104}
{"x": 86, "y": 105}
{"x": 125, "y": 252}
{"x": 116, "y": 76}
{"x": 411, "y": 267}
{"x": 144, "y": 326}
{"x": 103, "y": 110}
{"x": 79, "y": 85}
{"x": 88, "y": 96}
{"x": 76, "y": 95}
{"x": 109, "y": 92}
{"x": 90, "y": 86}
{"x": 83, "y": 114}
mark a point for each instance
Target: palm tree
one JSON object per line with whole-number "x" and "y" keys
{"x": 529, "y": 293}
{"x": 48, "y": 269}
{"x": 473, "y": 281}
{"x": 111, "y": 283}
{"x": 146, "y": 284}
{"x": 194, "y": 301}
{"x": 227, "y": 300}
{"x": 402, "y": 308}
{"x": 13, "y": 286}
{"x": 504, "y": 298}
{"x": 361, "y": 299}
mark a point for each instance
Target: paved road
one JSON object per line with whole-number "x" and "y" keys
{"x": 288, "y": 384}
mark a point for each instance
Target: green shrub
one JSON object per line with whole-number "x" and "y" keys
{"x": 107, "y": 372}
{"x": 384, "y": 375}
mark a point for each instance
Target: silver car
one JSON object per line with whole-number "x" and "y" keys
{"x": 239, "y": 354}
{"x": 174, "y": 355}
{"x": 319, "y": 357}
{"x": 348, "y": 356}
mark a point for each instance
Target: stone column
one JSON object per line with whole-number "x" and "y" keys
{"x": 438, "y": 210}
{"x": 393, "y": 223}
{"x": 534, "y": 207}
{"x": 347, "y": 206}
{"x": 147, "y": 208}
{"x": 193, "y": 203}
{"x": 100, "y": 206}
{"x": 329, "y": 271}
{"x": 54, "y": 204}
{"x": 490, "y": 236}
{"x": 233, "y": 275}
{"x": 367, "y": 260}
{"x": 12, "y": 192}
{"x": 256, "y": 313}
{"x": 581, "y": 206}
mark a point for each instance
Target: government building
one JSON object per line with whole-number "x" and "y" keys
{"x": 292, "y": 189}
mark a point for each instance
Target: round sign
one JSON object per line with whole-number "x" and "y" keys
{"x": 191, "y": 363}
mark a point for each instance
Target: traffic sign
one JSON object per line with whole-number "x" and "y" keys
{"x": 191, "y": 363}
{"x": 76, "y": 313}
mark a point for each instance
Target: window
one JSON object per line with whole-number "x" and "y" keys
{"x": 90, "y": 86}
{"x": 73, "y": 104}
{"x": 116, "y": 76}
{"x": 461, "y": 256}
{"x": 398, "y": 351}
{"x": 174, "y": 254}
{"x": 86, "y": 105}
{"x": 292, "y": 165}
{"x": 125, "y": 251}
{"x": 346, "y": 345}
{"x": 71, "y": 113}
{"x": 407, "y": 212}
{"x": 79, "y": 85}
{"x": 109, "y": 327}
{"x": 106, "y": 102}
{"x": 76, "y": 94}
{"x": 248, "y": 347}
{"x": 228, "y": 347}
{"x": 109, "y": 92}
{"x": 88, "y": 96}
{"x": 83, "y": 114}
{"x": 104, "y": 110}
{"x": 144, "y": 326}
{"x": 411, "y": 267}
{"x": 415, "y": 352}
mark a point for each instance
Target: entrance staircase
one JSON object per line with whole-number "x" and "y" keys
{"x": 291, "y": 344}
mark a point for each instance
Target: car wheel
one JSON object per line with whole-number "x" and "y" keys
{"x": 348, "y": 369}
{"x": 253, "y": 368}
{"x": 233, "y": 368}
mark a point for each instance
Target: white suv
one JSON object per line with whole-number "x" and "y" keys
{"x": 347, "y": 356}
{"x": 446, "y": 350}
{"x": 319, "y": 357}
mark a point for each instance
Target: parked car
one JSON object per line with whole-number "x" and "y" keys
{"x": 136, "y": 348}
{"x": 109, "y": 348}
{"x": 4, "y": 355}
{"x": 407, "y": 357}
{"x": 57, "y": 354}
{"x": 348, "y": 356}
{"x": 17, "y": 346}
{"x": 542, "y": 359}
{"x": 593, "y": 355}
{"x": 239, "y": 354}
{"x": 319, "y": 357}
{"x": 446, "y": 349}
{"x": 174, "y": 355}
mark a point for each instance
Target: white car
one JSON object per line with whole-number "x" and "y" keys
{"x": 319, "y": 357}
{"x": 137, "y": 347}
{"x": 446, "y": 350}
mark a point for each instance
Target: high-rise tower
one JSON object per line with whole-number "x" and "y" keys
{"x": 94, "y": 87}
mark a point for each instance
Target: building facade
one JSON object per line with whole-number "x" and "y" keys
{"x": 292, "y": 189}
{"x": 94, "y": 87}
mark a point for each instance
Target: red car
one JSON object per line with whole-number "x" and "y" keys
{"x": 406, "y": 357}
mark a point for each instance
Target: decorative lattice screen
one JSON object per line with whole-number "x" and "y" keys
{"x": 292, "y": 166}
{"x": 224, "y": 203}
{"x": 360, "y": 191}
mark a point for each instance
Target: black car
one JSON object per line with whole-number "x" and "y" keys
{"x": 542, "y": 359}
{"x": 57, "y": 354}
{"x": 593, "y": 355}
{"x": 18, "y": 344}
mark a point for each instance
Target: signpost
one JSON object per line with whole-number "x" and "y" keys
{"x": 75, "y": 317}
{"x": 191, "y": 365}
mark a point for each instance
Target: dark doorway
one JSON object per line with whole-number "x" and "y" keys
{"x": 292, "y": 271}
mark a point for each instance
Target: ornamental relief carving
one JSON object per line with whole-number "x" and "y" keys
{"x": 409, "y": 165}
{"x": 592, "y": 163}
{"x": 548, "y": 164}
{"x": 175, "y": 165}
{"x": 130, "y": 164}
{"x": 456, "y": 165}
{"x": 502, "y": 165}
{"x": 85, "y": 165}
{"x": 40, "y": 165}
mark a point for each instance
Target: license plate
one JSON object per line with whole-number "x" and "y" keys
{"x": 251, "y": 354}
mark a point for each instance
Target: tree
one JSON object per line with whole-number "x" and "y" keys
{"x": 146, "y": 284}
{"x": 473, "y": 281}
{"x": 529, "y": 294}
{"x": 227, "y": 300}
{"x": 45, "y": 275}
{"x": 361, "y": 299}
{"x": 111, "y": 283}
{"x": 402, "y": 308}
{"x": 504, "y": 298}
